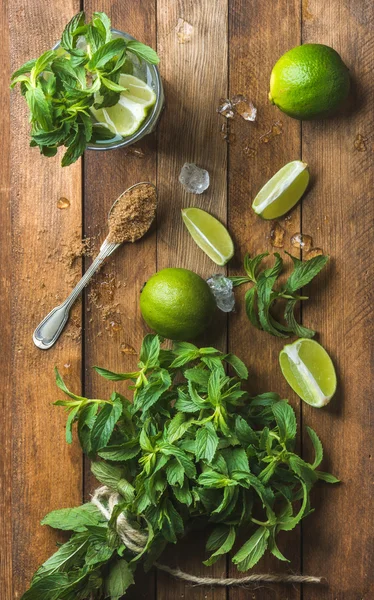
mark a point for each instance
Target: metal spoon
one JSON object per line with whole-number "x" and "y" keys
{"x": 50, "y": 328}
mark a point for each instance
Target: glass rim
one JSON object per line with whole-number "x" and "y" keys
{"x": 152, "y": 115}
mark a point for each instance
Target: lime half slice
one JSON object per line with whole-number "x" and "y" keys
{"x": 125, "y": 117}
{"x": 309, "y": 370}
{"x": 282, "y": 191}
{"x": 138, "y": 91}
{"x": 209, "y": 234}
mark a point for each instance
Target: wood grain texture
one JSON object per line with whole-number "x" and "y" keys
{"x": 6, "y": 570}
{"x": 258, "y": 36}
{"x": 195, "y": 77}
{"x": 46, "y": 472}
{"x": 337, "y": 543}
{"x": 113, "y": 338}
{"x": 232, "y": 48}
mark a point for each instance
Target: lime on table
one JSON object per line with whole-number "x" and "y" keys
{"x": 309, "y": 81}
{"x": 177, "y": 303}
{"x": 126, "y": 117}
{"x": 209, "y": 234}
{"x": 282, "y": 191}
{"x": 309, "y": 370}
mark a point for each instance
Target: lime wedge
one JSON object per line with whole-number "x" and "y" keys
{"x": 309, "y": 370}
{"x": 209, "y": 234}
{"x": 138, "y": 90}
{"x": 125, "y": 117}
{"x": 282, "y": 191}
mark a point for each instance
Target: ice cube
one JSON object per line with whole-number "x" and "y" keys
{"x": 303, "y": 241}
{"x": 225, "y": 108}
{"x": 194, "y": 179}
{"x": 313, "y": 253}
{"x": 277, "y": 235}
{"x": 184, "y": 31}
{"x": 222, "y": 289}
{"x": 244, "y": 107}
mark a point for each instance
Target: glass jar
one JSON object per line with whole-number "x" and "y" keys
{"x": 151, "y": 75}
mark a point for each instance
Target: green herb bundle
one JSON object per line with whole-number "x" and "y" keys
{"x": 193, "y": 448}
{"x": 261, "y": 297}
{"x": 61, "y": 85}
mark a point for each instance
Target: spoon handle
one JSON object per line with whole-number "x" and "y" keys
{"x": 50, "y": 328}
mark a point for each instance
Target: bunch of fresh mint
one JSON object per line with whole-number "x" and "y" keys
{"x": 192, "y": 448}
{"x": 61, "y": 85}
{"x": 265, "y": 293}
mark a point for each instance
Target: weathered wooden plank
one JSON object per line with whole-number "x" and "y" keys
{"x": 258, "y": 36}
{"x": 6, "y": 571}
{"x": 46, "y": 472}
{"x": 192, "y": 43}
{"x": 339, "y": 216}
{"x": 113, "y": 333}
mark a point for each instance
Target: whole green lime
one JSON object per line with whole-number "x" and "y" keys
{"x": 309, "y": 81}
{"x": 177, "y": 304}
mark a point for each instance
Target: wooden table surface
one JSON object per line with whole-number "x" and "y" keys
{"x": 232, "y": 49}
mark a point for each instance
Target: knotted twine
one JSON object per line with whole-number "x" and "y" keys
{"x": 136, "y": 540}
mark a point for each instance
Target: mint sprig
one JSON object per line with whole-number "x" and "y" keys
{"x": 266, "y": 292}
{"x": 192, "y": 446}
{"x": 60, "y": 88}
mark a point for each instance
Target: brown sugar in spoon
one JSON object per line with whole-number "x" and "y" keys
{"x": 129, "y": 219}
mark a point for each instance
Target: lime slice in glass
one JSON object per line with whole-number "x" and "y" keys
{"x": 137, "y": 90}
{"x": 309, "y": 370}
{"x": 282, "y": 191}
{"x": 209, "y": 234}
{"x": 125, "y": 117}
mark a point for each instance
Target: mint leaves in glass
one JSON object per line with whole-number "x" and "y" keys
{"x": 63, "y": 85}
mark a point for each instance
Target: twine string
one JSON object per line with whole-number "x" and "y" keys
{"x": 135, "y": 540}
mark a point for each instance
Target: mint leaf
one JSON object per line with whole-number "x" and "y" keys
{"x": 76, "y": 147}
{"x": 66, "y": 556}
{"x": 104, "y": 424}
{"x": 293, "y": 325}
{"x": 289, "y": 522}
{"x": 303, "y": 469}
{"x": 304, "y": 272}
{"x": 40, "y": 110}
{"x": 73, "y": 519}
{"x": 150, "y": 351}
{"x": 251, "y": 265}
{"x": 107, "y": 474}
{"x": 251, "y": 552}
{"x": 115, "y": 376}
{"x": 101, "y": 22}
{"x": 250, "y": 306}
{"x": 238, "y": 365}
{"x": 26, "y": 68}
{"x": 157, "y": 384}
{"x": 206, "y": 442}
{"x": 318, "y": 448}
{"x": 224, "y": 548}
{"x": 121, "y": 453}
{"x": 68, "y": 37}
{"x": 120, "y": 578}
{"x": 48, "y": 588}
{"x": 104, "y": 54}
{"x": 286, "y": 420}
{"x": 327, "y": 477}
{"x": 142, "y": 51}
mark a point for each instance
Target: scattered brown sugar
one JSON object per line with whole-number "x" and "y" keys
{"x": 133, "y": 213}
{"x": 75, "y": 249}
{"x": 127, "y": 349}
